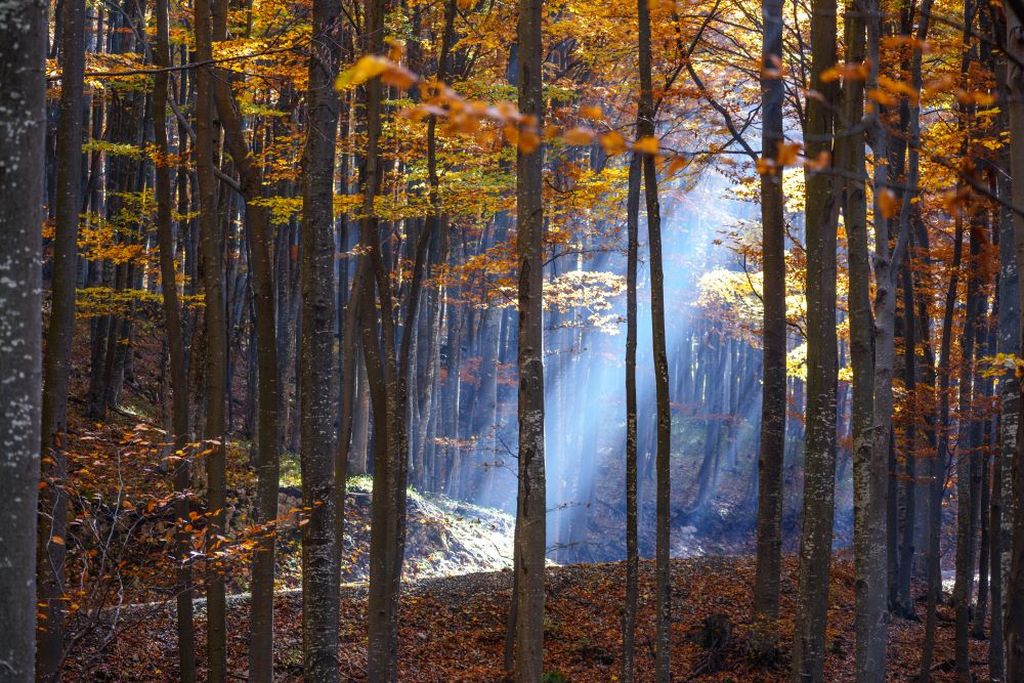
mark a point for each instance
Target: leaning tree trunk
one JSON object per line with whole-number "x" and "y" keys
{"x": 646, "y": 128}
{"x": 268, "y": 437}
{"x": 22, "y": 144}
{"x": 175, "y": 347}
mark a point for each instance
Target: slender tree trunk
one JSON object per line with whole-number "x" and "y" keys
{"x": 822, "y": 360}
{"x": 320, "y": 544}
{"x": 268, "y": 438}
{"x": 216, "y": 344}
{"x": 869, "y": 463}
{"x": 938, "y": 468}
{"x": 530, "y": 544}
{"x": 965, "y": 455}
{"x": 632, "y": 517}
{"x": 59, "y": 336}
{"x": 773, "y": 388}
{"x": 1015, "y": 580}
{"x": 22, "y": 163}
{"x": 903, "y": 605}
{"x": 176, "y": 349}
{"x": 646, "y": 128}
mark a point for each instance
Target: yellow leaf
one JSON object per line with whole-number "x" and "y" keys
{"x": 368, "y": 66}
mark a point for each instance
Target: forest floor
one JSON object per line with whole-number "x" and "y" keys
{"x": 452, "y": 629}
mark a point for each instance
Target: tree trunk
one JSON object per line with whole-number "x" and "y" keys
{"x": 530, "y": 535}
{"x": 822, "y": 361}
{"x": 632, "y": 532}
{"x": 320, "y": 544}
{"x": 59, "y": 336}
{"x": 22, "y": 145}
{"x": 176, "y": 349}
{"x": 268, "y": 438}
{"x": 965, "y": 528}
{"x": 646, "y": 128}
{"x": 938, "y": 465}
{"x": 216, "y": 344}
{"x": 773, "y": 295}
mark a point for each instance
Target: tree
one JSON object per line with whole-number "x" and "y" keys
{"x": 632, "y": 516}
{"x": 215, "y": 429}
{"x": 175, "y": 346}
{"x": 59, "y": 334}
{"x": 646, "y": 130}
{"x": 773, "y": 295}
{"x": 530, "y": 544}
{"x": 1015, "y": 579}
{"x": 320, "y": 543}
{"x": 22, "y": 136}
{"x": 820, "y": 444}
{"x": 268, "y": 438}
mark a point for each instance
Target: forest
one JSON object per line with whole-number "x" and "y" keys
{"x": 511, "y": 340}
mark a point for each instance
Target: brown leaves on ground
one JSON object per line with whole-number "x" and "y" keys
{"x": 453, "y": 629}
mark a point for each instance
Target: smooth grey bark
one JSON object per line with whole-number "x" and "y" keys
{"x": 529, "y": 542}
{"x": 320, "y": 542}
{"x": 22, "y": 163}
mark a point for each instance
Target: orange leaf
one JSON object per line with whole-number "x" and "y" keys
{"x": 613, "y": 142}
{"x": 579, "y": 135}
{"x": 888, "y": 203}
{"x": 647, "y": 145}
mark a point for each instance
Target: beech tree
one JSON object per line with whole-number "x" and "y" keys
{"x": 821, "y": 210}
{"x": 22, "y": 136}
{"x": 530, "y": 545}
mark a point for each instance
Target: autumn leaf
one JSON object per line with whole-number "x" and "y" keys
{"x": 786, "y": 153}
{"x": 646, "y": 145}
{"x": 579, "y": 135}
{"x": 368, "y": 66}
{"x": 820, "y": 162}
{"x": 613, "y": 142}
{"x": 888, "y": 203}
